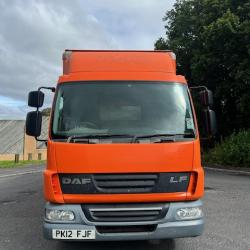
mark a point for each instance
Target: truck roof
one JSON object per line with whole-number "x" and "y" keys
{"x": 76, "y": 61}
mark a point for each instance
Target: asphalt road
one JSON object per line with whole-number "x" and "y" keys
{"x": 227, "y": 209}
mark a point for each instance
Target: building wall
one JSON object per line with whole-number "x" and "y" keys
{"x": 30, "y": 151}
{"x": 10, "y": 157}
{"x": 14, "y": 141}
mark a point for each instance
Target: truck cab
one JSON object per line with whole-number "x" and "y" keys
{"x": 123, "y": 160}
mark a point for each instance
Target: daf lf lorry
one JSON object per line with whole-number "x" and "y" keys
{"x": 123, "y": 159}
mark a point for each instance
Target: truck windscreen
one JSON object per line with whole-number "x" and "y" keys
{"x": 121, "y": 107}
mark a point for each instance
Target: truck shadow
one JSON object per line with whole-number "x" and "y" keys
{"x": 122, "y": 245}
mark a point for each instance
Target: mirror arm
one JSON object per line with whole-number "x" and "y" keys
{"x": 199, "y": 87}
{"x": 45, "y": 141}
{"x": 53, "y": 89}
{"x": 37, "y": 139}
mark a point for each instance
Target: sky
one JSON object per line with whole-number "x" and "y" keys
{"x": 34, "y": 34}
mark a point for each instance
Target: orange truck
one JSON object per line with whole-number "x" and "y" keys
{"x": 123, "y": 148}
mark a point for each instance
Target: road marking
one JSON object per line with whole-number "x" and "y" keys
{"x": 21, "y": 173}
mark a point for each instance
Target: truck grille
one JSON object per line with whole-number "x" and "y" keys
{"x": 125, "y": 212}
{"x": 125, "y": 183}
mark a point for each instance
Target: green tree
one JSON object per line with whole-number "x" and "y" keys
{"x": 211, "y": 42}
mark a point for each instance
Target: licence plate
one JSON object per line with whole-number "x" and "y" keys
{"x": 73, "y": 234}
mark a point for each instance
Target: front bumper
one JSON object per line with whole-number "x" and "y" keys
{"x": 168, "y": 227}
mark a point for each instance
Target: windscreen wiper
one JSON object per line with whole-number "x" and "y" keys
{"x": 88, "y": 138}
{"x": 163, "y": 137}
{"x": 92, "y": 139}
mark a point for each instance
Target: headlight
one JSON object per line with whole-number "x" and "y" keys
{"x": 59, "y": 215}
{"x": 189, "y": 213}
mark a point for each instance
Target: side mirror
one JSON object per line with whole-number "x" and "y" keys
{"x": 209, "y": 119}
{"x": 206, "y": 98}
{"x": 34, "y": 123}
{"x": 36, "y": 99}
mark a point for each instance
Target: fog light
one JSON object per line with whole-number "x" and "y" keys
{"x": 59, "y": 215}
{"x": 189, "y": 213}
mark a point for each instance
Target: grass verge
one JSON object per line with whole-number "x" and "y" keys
{"x": 12, "y": 164}
{"x": 233, "y": 151}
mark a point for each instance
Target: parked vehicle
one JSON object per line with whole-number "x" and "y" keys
{"x": 123, "y": 148}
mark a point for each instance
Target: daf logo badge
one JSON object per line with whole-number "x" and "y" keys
{"x": 75, "y": 181}
{"x": 178, "y": 179}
